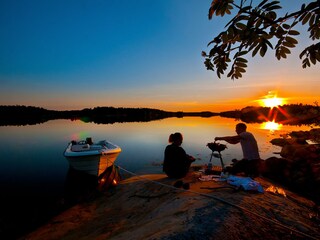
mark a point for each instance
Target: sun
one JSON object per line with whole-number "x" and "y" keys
{"x": 271, "y": 100}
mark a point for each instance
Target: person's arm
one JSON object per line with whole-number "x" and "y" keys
{"x": 229, "y": 139}
{"x": 191, "y": 158}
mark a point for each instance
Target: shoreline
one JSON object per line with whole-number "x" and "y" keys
{"x": 292, "y": 114}
{"x": 141, "y": 208}
{"x": 300, "y": 134}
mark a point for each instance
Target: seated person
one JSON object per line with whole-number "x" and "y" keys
{"x": 176, "y": 162}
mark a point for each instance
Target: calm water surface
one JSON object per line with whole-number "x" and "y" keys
{"x": 33, "y": 170}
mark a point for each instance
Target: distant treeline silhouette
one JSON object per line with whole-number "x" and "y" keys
{"x": 294, "y": 114}
{"x": 26, "y": 115}
{"x": 29, "y": 115}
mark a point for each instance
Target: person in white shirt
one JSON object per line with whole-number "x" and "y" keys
{"x": 251, "y": 158}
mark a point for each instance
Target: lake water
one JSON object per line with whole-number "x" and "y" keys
{"x": 33, "y": 170}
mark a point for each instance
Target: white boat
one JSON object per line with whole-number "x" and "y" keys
{"x": 92, "y": 158}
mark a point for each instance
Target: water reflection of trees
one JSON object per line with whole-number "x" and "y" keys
{"x": 295, "y": 114}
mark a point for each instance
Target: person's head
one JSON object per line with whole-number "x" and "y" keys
{"x": 241, "y": 127}
{"x": 176, "y": 138}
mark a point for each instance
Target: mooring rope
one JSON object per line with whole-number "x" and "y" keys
{"x": 223, "y": 201}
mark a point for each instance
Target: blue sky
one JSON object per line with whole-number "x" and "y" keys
{"x": 74, "y": 54}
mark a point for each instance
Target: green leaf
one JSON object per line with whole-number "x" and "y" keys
{"x": 306, "y": 63}
{"x": 302, "y": 16}
{"x": 317, "y": 34}
{"x": 212, "y": 52}
{"x": 283, "y": 53}
{"x": 271, "y": 15}
{"x": 218, "y": 74}
{"x": 293, "y": 24}
{"x": 230, "y": 6}
{"x": 240, "y": 64}
{"x": 291, "y": 40}
{"x": 293, "y": 32}
{"x": 288, "y": 44}
{"x": 262, "y": 3}
{"x": 253, "y": 45}
{"x": 242, "y": 53}
{"x": 241, "y": 18}
{"x": 303, "y": 53}
{"x": 306, "y": 18}
{"x": 311, "y": 21}
{"x": 256, "y": 50}
{"x": 241, "y": 26}
{"x": 318, "y": 56}
{"x": 263, "y": 49}
{"x": 268, "y": 43}
{"x": 230, "y": 32}
{"x": 268, "y": 5}
{"x": 242, "y": 60}
{"x": 213, "y": 41}
{"x": 224, "y": 37}
{"x": 280, "y": 32}
{"x": 239, "y": 69}
{"x": 286, "y": 50}
{"x": 286, "y": 26}
{"x": 216, "y": 61}
{"x": 273, "y": 8}
{"x": 313, "y": 59}
{"x": 258, "y": 23}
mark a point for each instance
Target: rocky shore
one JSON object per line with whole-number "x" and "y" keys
{"x": 298, "y": 168}
{"x": 150, "y": 207}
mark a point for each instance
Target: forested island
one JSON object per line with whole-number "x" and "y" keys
{"x": 294, "y": 114}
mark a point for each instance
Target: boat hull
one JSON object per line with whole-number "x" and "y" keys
{"x": 93, "y": 161}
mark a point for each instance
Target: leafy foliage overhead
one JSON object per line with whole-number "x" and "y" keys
{"x": 255, "y": 29}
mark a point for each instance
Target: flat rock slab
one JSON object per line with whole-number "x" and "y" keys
{"x": 149, "y": 207}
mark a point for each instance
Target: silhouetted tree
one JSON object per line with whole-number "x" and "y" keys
{"x": 254, "y": 28}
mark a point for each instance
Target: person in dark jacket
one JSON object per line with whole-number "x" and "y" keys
{"x": 176, "y": 162}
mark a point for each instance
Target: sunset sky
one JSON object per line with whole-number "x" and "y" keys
{"x": 74, "y": 54}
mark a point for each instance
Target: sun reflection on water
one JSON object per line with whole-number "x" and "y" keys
{"x": 272, "y": 126}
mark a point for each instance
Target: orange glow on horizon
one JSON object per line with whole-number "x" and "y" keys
{"x": 271, "y": 99}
